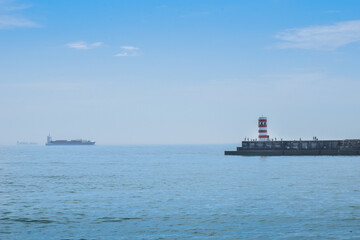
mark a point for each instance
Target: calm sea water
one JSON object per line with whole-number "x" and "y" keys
{"x": 175, "y": 192}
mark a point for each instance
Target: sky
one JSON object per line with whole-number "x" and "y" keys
{"x": 178, "y": 72}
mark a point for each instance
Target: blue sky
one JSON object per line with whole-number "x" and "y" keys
{"x": 178, "y": 72}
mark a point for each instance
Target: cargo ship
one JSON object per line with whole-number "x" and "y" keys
{"x": 25, "y": 143}
{"x": 51, "y": 142}
{"x": 264, "y": 146}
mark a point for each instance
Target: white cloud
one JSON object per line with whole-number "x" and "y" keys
{"x": 332, "y": 11}
{"x": 122, "y": 55}
{"x": 96, "y": 44}
{"x": 127, "y": 54}
{"x": 16, "y": 8}
{"x": 78, "y": 45}
{"x": 131, "y": 48}
{"x": 321, "y": 37}
{"x": 7, "y": 22}
{"x": 128, "y": 51}
{"x": 81, "y": 45}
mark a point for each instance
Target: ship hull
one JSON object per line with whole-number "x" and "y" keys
{"x": 70, "y": 144}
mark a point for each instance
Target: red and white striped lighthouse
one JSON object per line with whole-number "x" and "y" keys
{"x": 263, "y": 129}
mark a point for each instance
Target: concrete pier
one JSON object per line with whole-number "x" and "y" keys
{"x": 299, "y": 148}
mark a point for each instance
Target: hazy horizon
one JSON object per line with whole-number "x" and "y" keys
{"x": 179, "y": 72}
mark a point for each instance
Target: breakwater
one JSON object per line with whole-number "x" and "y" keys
{"x": 298, "y": 147}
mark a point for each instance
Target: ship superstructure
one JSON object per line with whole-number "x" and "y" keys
{"x": 51, "y": 142}
{"x": 270, "y": 147}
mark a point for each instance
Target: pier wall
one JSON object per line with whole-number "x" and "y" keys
{"x": 289, "y": 148}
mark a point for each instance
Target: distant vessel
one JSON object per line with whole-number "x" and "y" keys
{"x": 266, "y": 147}
{"x": 26, "y": 143}
{"x": 51, "y": 142}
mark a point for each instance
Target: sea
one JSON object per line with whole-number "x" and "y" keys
{"x": 175, "y": 192}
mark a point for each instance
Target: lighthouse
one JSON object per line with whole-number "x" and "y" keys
{"x": 262, "y": 123}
